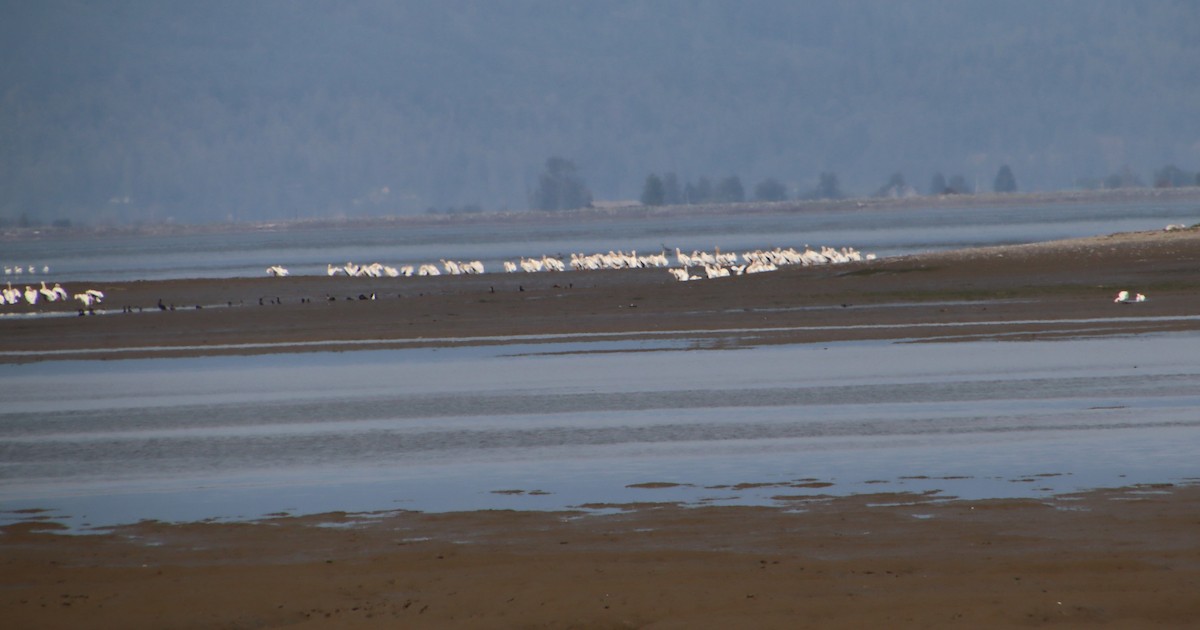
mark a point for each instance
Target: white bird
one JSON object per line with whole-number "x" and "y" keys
{"x": 31, "y": 295}
{"x": 59, "y": 291}
{"x": 1123, "y": 297}
{"x": 277, "y": 270}
{"x": 47, "y": 292}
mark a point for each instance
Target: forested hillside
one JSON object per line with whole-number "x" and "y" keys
{"x": 218, "y": 110}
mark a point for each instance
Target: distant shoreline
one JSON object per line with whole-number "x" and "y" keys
{"x": 981, "y": 200}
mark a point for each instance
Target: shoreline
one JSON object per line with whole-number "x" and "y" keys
{"x": 1020, "y": 291}
{"x": 601, "y": 213}
{"x": 1126, "y": 556}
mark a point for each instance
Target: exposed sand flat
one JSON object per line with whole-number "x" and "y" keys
{"x": 1123, "y": 558}
{"x": 1064, "y": 287}
{"x": 1119, "y": 558}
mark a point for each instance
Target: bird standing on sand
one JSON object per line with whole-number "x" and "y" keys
{"x": 1123, "y": 297}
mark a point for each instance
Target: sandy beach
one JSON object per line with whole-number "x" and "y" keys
{"x": 1119, "y": 558}
{"x": 1125, "y": 557}
{"x": 1038, "y": 290}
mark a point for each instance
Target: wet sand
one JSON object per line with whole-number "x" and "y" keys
{"x": 1119, "y": 558}
{"x": 1125, "y": 558}
{"x": 1040, "y": 290}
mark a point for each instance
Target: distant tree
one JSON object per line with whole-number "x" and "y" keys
{"x": 730, "y": 190}
{"x": 560, "y": 187}
{"x": 770, "y": 189}
{"x": 671, "y": 193}
{"x": 827, "y": 187}
{"x": 895, "y": 187}
{"x": 1005, "y": 181}
{"x": 700, "y": 192}
{"x": 959, "y": 186}
{"x": 1171, "y": 176}
{"x": 653, "y": 191}
{"x": 1126, "y": 178}
{"x": 937, "y": 186}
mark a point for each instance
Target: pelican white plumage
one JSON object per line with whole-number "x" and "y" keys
{"x": 59, "y": 291}
{"x": 31, "y": 295}
{"x": 277, "y": 270}
{"x": 1123, "y": 297}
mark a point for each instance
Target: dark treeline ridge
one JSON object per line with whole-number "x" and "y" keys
{"x": 248, "y": 111}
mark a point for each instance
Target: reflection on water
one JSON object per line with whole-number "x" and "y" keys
{"x": 552, "y": 426}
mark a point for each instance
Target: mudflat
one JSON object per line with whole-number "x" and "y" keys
{"x": 1045, "y": 289}
{"x": 1126, "y": 557}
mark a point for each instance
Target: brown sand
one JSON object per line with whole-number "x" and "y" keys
{"x": 1121, "y": 558}
{"x": 991, "y": 292}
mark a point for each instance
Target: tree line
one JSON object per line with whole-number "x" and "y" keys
{"x": 562, "y": 187}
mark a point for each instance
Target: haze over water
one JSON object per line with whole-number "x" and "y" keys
{"x": 307, "y": 251}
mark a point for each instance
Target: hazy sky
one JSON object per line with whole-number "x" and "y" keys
{"x": 212, "y": 110}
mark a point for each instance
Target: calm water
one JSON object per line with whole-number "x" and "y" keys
{"x": 883, "y": 232}
{"x": 450, "y": 429}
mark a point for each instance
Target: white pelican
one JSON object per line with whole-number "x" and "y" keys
{"x": 1123, "y": 297}
{"x": 59, "y": 291}
{"x": 47, "y": 292}
{"x": 31, "y": 295}
{"x": 277, "y": 270}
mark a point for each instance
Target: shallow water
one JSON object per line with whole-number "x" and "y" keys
{"x": 558, "y": 425}
{"x": 307, "y": 252}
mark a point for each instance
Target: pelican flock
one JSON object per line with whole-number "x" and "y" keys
{"x": 716, "y": 264}
{"x": 30, "y": 295}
